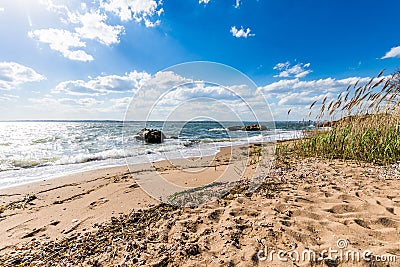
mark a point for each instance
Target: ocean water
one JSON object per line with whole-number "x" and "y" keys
{"x": 36, "y": 150}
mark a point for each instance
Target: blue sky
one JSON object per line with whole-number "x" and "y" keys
{"x": 85, "y": 60}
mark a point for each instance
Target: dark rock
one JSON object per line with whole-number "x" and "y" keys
{"x": 249, "y": 128}
{"x": 151, "y": 136}
{"x": 255, "y": 127}
{"x": 235, "y": 128}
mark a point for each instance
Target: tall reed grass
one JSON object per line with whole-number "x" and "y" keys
{"x": 362, "y": 123}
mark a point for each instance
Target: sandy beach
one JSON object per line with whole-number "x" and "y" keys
{"x": 104, "y": 218}
{"x": 57, "y": 207}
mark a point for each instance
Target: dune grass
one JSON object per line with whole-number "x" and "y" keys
{"x": 362, "y": 123}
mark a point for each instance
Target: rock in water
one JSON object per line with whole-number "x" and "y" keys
{"x": 151, "y": 136}
{"x": 255, "y": 127}
{"x": 235, "y": 128}
{"x": 251, "y": 127}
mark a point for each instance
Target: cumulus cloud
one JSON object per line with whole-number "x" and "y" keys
{"x": 93, "y": 27}
{"x": 298, "y": 95}
{"x": 241, "y": 33}
{"x": 138, "y": 10}
{"x": 13, "y": 74}
{"x": 204, "y": 1}
{"x": 197, "y": 90}
{"x": 93, "y": 24}
{"x": 62, "y": 41}
{"x": 170, "y": 96}
{"x": 299, "y": 70}
{"x": 393, "y": 52}
{"x": 302, "y": 98}
{"x": 51, "y": 6}
{"x": 237, "y": 5}
{"x": 103, "y": 85}
{"x": 314, "y": 86}
{"x": 120, "y": 103}
{"x": 165, "y": 95}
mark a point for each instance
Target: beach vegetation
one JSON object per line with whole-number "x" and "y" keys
{"x": 362, "y": 123}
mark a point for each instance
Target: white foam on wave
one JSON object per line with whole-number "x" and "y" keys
{"x": 216, "y": 130}
{"x": 171, "y": 149}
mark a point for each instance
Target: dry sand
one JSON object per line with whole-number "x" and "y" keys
{"x": 57, "y": 207}
{"x": 302, "y": 204}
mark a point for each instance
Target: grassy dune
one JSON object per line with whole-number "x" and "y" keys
{"x": 364, "y": 124}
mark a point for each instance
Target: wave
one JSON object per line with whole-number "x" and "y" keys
{"x": 138, "y": 149}
{"x": 82, "y": 158}
{"x": 216, "y": 130}
{"x": 45, "y": 140}
{"x": 116, "y": 153}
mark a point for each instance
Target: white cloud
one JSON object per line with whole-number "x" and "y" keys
{"x": 198, "y": 90}
{"x": 314, "y": 86}
{"x": 92, "y": 23}
{"x": 103, "y": 85}
{"x": 241, "y": 33}
{"x": 57, "y": 108}
{"x": 13, "y": 74}
{"x": 298, "y": 95}
{"x": 302, "y": 98}
{"x": 83, "y": 102}
{"x": 138, "y": 10}
{"x": 169, "y": 96}
{"x": 1, "y": 9}
{"x": 7, "y": 97}
{"x": 281, "y": 66}
{"x": 62, "y": 41}
{"x": 394, "y": 52}
{"x": 113, "y": 105}
{"x": 163, "y": 95}
{"x": 93, "y": 27}
{"x": 297, "y": 71}
{"x": 60, "y": 9}
{"x": 120, "y": 103}
{"x": 237, "y": 5}
{"x": 204, "y": 1}
{"x": 165, "y": 80}
{"x": 67, "y": 102}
